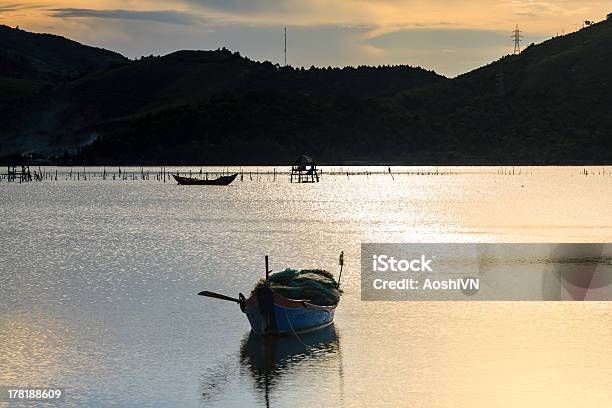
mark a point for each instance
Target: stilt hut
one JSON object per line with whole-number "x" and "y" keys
{"x": 304, "y": 170}
{"x": 13, "y": 174}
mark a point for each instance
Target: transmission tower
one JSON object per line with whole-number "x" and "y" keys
{"x": 285, "y": 46}
{"x": 516, "y": 36}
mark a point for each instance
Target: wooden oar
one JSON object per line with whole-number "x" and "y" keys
{"x": 219, "y": 296}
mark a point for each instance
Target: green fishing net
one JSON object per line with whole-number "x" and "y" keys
{"x": 315, "y": 285}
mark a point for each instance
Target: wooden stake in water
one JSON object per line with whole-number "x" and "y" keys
{"x": 267, "y": 269}
{"x": 341, "y": 263}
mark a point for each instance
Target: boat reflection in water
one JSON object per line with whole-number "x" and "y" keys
{"x": 269, "y": 359}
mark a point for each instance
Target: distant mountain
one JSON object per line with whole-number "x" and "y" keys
{"x": 551, "y": 103}
{"x": 31, "y": 62}
{"x": 548, "y": 105}
{"x": 111, "y": 102}
{"x": 184, "y": 77}
{"x": 26, "y": 55}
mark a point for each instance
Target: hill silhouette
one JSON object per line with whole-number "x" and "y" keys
{"x": 30, "y": 61}
{"x": 548, "y": 105}
{"x": 119, "y": 102}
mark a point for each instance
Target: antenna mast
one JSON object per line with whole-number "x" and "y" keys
{"x": 516, "y": 36}
{"x": 285, "y": 46}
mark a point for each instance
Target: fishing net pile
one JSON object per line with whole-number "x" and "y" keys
{"x": 315, "y": 285}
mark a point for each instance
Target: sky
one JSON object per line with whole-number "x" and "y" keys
{"x": 448, "y": 36}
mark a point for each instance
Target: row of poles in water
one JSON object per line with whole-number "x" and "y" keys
{"x": 163, "y": 175}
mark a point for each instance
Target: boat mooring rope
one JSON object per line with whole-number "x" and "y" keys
{"x": 294, "y": 332}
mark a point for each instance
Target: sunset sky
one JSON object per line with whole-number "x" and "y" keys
{"x": 449, "y": 36}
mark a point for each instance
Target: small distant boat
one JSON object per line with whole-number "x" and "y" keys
{"x": 220, "y": 181}
{"x": 272, "y": 314}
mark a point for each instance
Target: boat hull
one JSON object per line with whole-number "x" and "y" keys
{"x": 286, "y": 316}
{"x": 221, "y": 181}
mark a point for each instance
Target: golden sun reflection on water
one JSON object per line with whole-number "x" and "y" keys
{"x": 40, "y": 350}
{"x": 25, "y": 344}
{"x": 495, "y": 354}
{"x": 109, "y": 308}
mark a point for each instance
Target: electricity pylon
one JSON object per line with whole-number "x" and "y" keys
{"x": 516, "y": 36}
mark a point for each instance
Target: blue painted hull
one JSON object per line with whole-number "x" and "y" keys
{"x": 286, "y": 320}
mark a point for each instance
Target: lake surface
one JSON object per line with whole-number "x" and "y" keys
{"x": 98, "y": 283}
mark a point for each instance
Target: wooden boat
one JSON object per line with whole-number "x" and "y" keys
{"x": 220, "y": 181}
{"x": 272, "y": 314}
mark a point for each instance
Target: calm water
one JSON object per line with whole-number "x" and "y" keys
{"x": 99, "y": 280}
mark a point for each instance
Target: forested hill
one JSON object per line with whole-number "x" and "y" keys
{"x": 548, "y": 105}
{"x": 30, "y": 61}
{"x": 189, "y": 106}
